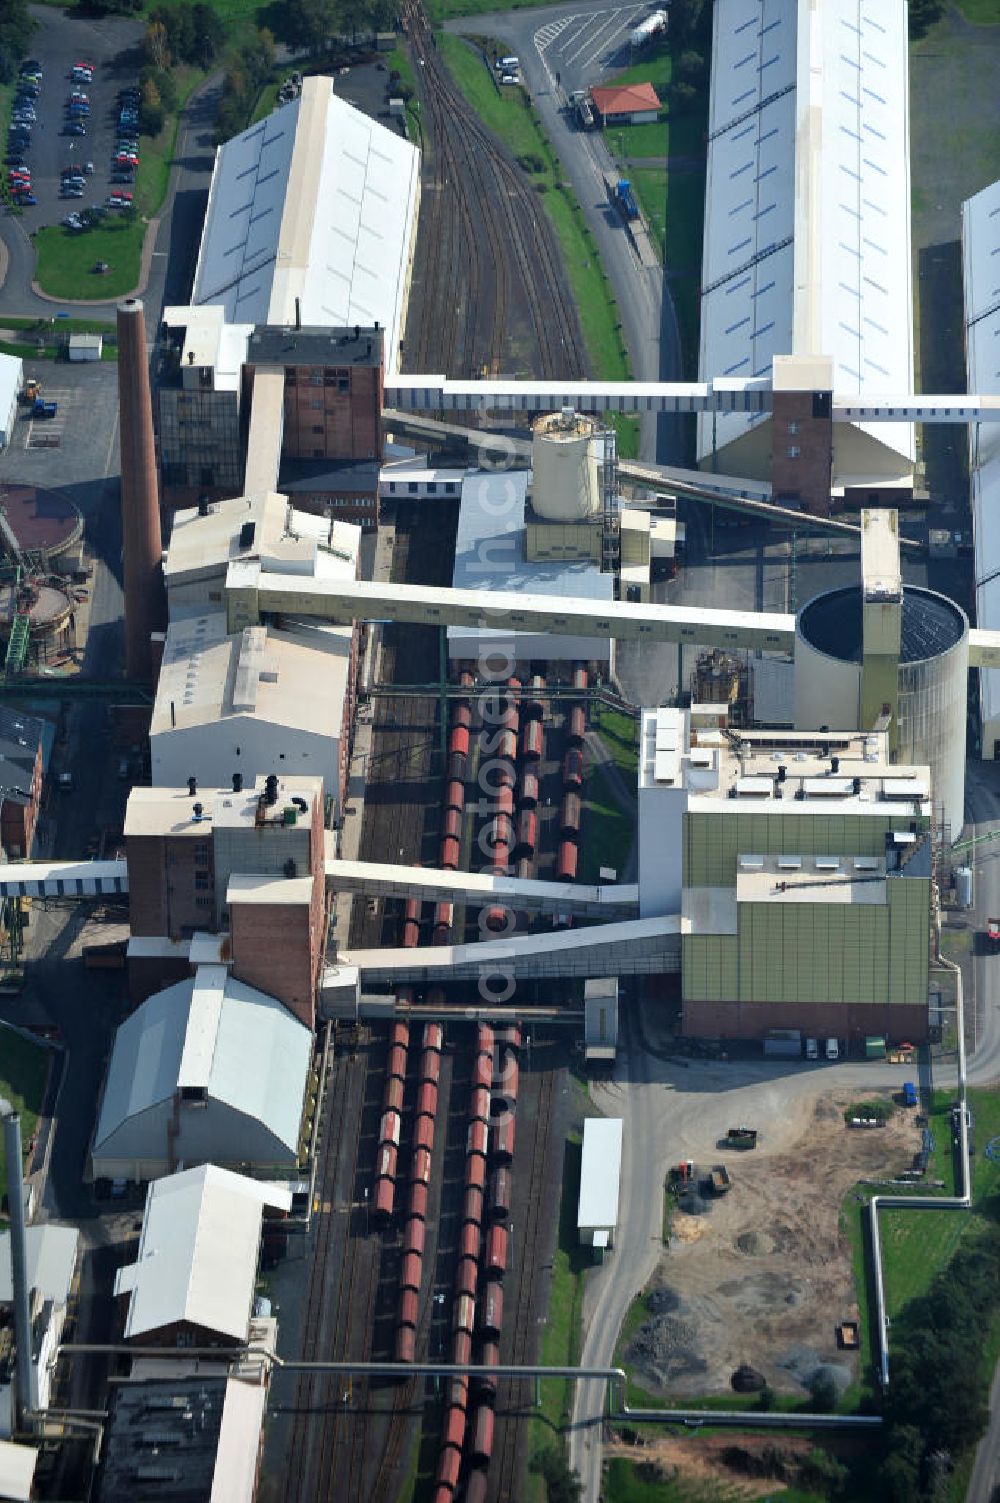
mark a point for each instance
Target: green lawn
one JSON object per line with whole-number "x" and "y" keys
{"x": 980, "y": 12}
{"x": 510, "y": 115}
{"x": 607, "y": 833}
{"x": 674, "y": 206}
{"x": 620, "y": 734}
{"x": 632, "y": 1482}
{"x": 560, "y": 1345}
{"x": 266, "y": 101}
{"x": 24, "y": 1068}
{"x": 65, "y": 260}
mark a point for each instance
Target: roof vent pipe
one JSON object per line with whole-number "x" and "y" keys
{"x": 192, "y": 787}
{"x": 271, "y": 788}
{"x": 199, "y": 810}
{"x": 834, "y": 765}
{"x": 298, "y": 313}
{"x": 300, "y": 803}
{"x": 237, "y": 782}
{"x": 357, "y": 331}
{"x": 782, "y": 773}
{"x": 203, "y": 505}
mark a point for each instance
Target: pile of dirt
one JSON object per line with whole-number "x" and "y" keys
{"x": 754, "y": 1244}
{"x": 664, "y": 1349}
{"x": 807, "y": 1366}
{"x": 662, "y": 1300}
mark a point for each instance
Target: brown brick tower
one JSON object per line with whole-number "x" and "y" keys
{"x": 142, "y": 545}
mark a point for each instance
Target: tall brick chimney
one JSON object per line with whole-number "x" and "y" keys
{"x": 142, "y": 545}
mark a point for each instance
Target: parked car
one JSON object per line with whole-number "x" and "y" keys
{"x": 26, "y": 199}
{"x": 72, "y": 222}
{"x": 123, "y": 176}
{"x": 70, "y": 190}
{"x": 74, "y": 128}
{"x": 832, "y": 1049}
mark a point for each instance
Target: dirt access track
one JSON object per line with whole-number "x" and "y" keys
{"x": 763, "y": 1274}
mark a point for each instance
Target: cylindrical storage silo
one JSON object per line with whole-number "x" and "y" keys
{"x": 963, "y": 886}
{"x": 930, "y": 721}
{"x": 564, "y": 460}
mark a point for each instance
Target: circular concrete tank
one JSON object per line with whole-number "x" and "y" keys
{"x": 564, "y": 461}
{"x": 933, "y": 682}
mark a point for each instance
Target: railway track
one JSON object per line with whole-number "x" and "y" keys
{"x": 512, "y": 1400}
{"x": 517, "y": 252}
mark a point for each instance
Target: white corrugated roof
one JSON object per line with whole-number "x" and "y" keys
{"x": 600, "y": 1172}
{"x": 981, "y": 276}
{"x": 11, "y": 373}
{"x": 241, "y": 1045}
{"x": 198, "y": 1252}
{"x": 50, "y": 1258}
{"x": 17, "y": 1470}
{"x": 317, "y": 203}
{"x": 807, "y": 202}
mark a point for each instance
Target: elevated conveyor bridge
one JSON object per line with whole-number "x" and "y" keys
{"x": 433, "y": 885}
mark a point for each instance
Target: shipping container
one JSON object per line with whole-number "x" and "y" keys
{"x": 572, "y": 768}
{"x": 458, "y": 741}
{"x": 475, "y": 1488}
{"x": 409, "y": 1307}
{"x": 496, "y": 1250}
{"x": 467, "y": 1273}
{"x": 529, "y": 788}
{"x": 406, "y": 1343}
{"x": 489, "y": 1356}
{"x": 454, "y": 795}
{"x": 481, "y": 1448}
{"x": 430, "y": 1065}
{"x": 414, "y": 1235}
{"x": 468, "y": 1241}
{"x": 388, "y": 1128}
{"x": 491, "y": 1306}
{"x": 448, "y": 1468}
{"x": 463, "y": 1313}
{"x": 412, "y": 1272}
{"x": 476, "y": 1142}
{"x": 577, "y": 725}
{"x": 566, "y": 862}
{"x": 385, "y": 1197}
{"x": 461, "y": 1348}
{"x": 479, "y": 1104}
{"x": 396, "y": 1069}
{"x": 452, "y": 824}
{"x": 475, "y": 1171}
{"x": 472, "y": 1204}
{"x": 502, "y": 1140}
{"x": 386, "y": 1161}
{"x": 499, "y": 1194}
{"x": 434, "y": 1032}
{"x": 427, "y": 1099}
{"x": 527, "y": 831}
{"x": 453, "y": 1429}
{"x": 532, "y": 740}
{"x": 569, "y": 816}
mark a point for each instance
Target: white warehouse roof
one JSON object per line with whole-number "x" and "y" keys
{"x": 317, "y": 203}
{"x": 981, "y": 276}
{"x": 807, "y": 209}
{"x": 210, "y": 1033}
{"x": 600, "y": 1173}
{"x": 198, "y": 1252}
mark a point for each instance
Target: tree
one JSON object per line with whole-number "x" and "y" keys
{"x": 16, "y": 27}
{"x": 151, "y": 111}
{"x": 685, "y": 18}
{"x": 308, "y": 24}
{"x": 209, "y": 34}
{"x": 156, "y": 45}
{"x": 923, "y": 14}
{"x": 562, "y": 1484}
{"x": 823, "y": 1391}
{"x": 682, "y": 96}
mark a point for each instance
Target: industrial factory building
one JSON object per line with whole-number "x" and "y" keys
{"x": 246, "y": 864}
{"x": 50, "y": 1269}
{"x": 11, "y": 382}
{"x": 251, "y": 701}
{"x": 194, "y": 1277}
{"x": 807, "y": 243}
{"x": 801, "y": 866}
{"x": 980, "y": 249}
{"x": 209, "y": 1070}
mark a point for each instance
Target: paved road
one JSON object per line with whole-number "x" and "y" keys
{"x": 647, "y": 314}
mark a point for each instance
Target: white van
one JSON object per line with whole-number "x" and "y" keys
{"x": 508, "y": 64}
{"x": 832, "y": 1049}
{"x": 812, "y": 1048}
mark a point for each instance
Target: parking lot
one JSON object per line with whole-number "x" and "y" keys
{"x": 113, "y": 49}
{"x": 582, "y": 46}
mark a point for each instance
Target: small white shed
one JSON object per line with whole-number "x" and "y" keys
{"x": 600, "y": 1180}
{"x": 86, "y": 346}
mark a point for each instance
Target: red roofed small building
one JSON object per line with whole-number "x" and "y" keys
{"x": 628, "y": 104}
